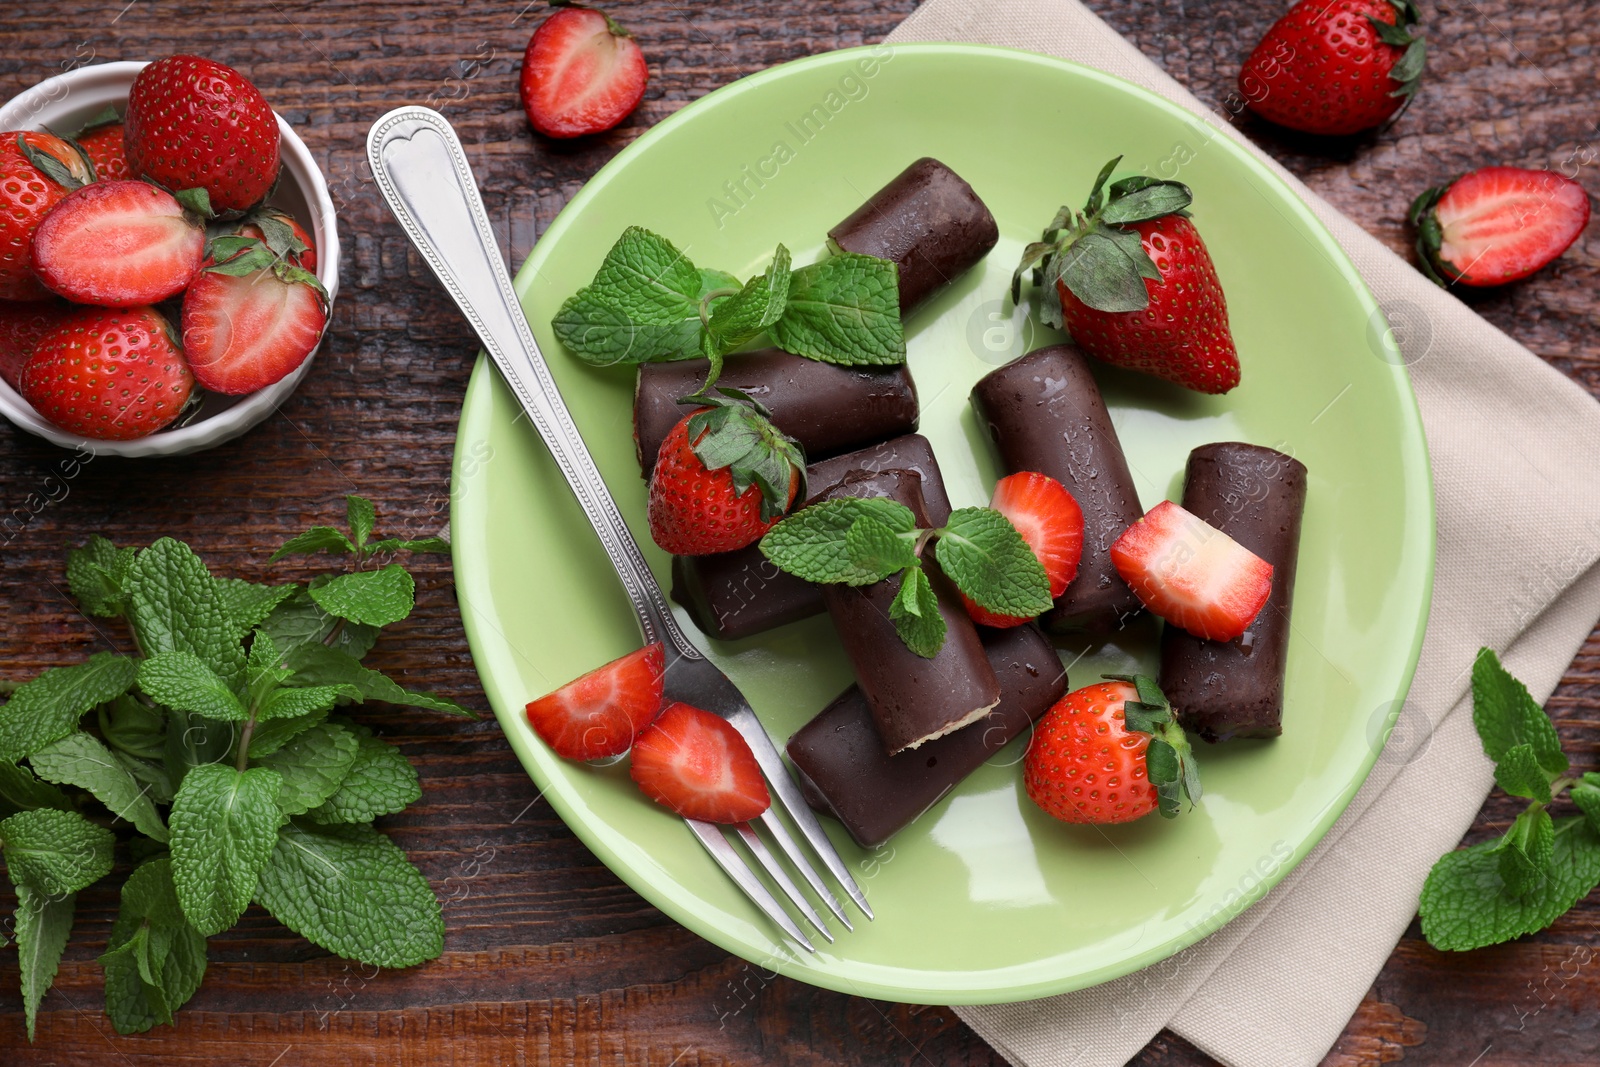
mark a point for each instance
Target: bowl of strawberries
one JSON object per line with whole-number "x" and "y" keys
{"x": 168, "y": 257}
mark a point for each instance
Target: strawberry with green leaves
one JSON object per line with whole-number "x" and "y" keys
{"x": 101, "y": 140}
{"x": 37, "y": 171}
{"x": 1110, "y": 753}
{"x": 1336, "y": 67}
{"x": 724, "y": 476}
{"x": 1135, "y": 283}
{"x": 1497, "y": 225}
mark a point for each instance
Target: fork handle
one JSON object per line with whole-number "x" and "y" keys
{"x": 419, "y": 166}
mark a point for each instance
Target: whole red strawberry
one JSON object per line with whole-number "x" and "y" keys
{"x": 109, "y": 374}
{"x": 1335, "y": 67}
{"x": 725, "y": 475}
{"x": 1135, "y": 284}
{"x": 36, "y": 171}
{"x": 195, "y": 124}
{"x": 22, "y": 323}
{"x": 1093, "y": 757}
{"x": 582, "y": 73}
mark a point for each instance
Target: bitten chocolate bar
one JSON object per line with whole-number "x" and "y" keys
{"x": 1044, "y": 413}
{"x": 1223, "y": 689}
{"x": 928, "y": 222}
{"x": 845, "y": 772}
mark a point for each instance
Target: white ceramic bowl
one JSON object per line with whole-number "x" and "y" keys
{"x": 65, "y": 102}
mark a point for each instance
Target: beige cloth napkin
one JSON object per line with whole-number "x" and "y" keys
{"x": 1515, "y": 448}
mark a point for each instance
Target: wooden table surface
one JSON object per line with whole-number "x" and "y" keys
{"x": 549, "y": 958}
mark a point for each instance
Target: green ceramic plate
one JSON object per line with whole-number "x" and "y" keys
{"x": 984, "y": 898}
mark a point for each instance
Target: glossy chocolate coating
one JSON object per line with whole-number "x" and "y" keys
{"x": 1223, "y": 689}
{"x": 912, "y": 699}
{"x": 845, "y": 772}
{"x": 828, "y": 409}
{"x": 1044, "y": 413}
{"x": 928, "y": 222}
{"x": 737, "y": 594}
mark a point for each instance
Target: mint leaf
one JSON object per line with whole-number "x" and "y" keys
{"x": 183, "y": 682}
{"x": 422, "y": 544}
{"x": 299, "y": 621}
{"x": 989, "y": 561}
{"x": 264, "y": 670}
{"x": 247, "y": 603}
{"x": 1466, "y": 904}
{"x": 297, "y": 703}
{"x": 643, "y": 304}
{"x": 874, "y": 548}
{"x": 55, "y": 852}
{"x": 316, "y": 539}
{"x": 1506, "y": 715}
{"x": 915, "y": 614}
{"x": 134, "y": 727}
{"x": 155, "y": 959}
{"x": 312, "y": 765}
{"x": 20, "y": 789}
{"x": 175, "y": 606}
{"x": 273, "y": 734}
{"x": 49, "y": 707}
{"x": 376, "y": 598}
{"x": 845, "y": 310}
{"x": 196, "y": 741}
{"x": 601, "y": 334}
{"x": 812, "y": 543}
{"x": 361, "y": 516}
{"x": 43, "y": 922}
{"x": 742, "y": 317}
{"x": 224, "y": 824}
{"x": 317, "y": 665}
{"x": 1525, "y": 851}
{"x": 381, "y": 782}
{"x": 81, "y": 760}
{"x": 152, "y": 777}
{"x": 350, "y": 890}
{"x": 97, "y": 574}
{"x": 1587, "y": 797}
{"x": 1519, "y": 774}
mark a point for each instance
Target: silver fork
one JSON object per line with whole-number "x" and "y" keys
{"x": 420, "y": 168}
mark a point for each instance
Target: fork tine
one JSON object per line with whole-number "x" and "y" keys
{"x": 735, "y": 867}
{"x": 794, "y": 805}
{"x": 775, "y": 870}
{"x": 788, "y": 846}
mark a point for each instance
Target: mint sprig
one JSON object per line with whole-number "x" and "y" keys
{"x": 855, "y": 541}
{"x": 1542, "y": 865}
{"x": 204, "y": 742}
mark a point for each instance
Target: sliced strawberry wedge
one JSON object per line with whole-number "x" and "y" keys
{"x": 251, "y": 321}
{"x": 1498, "y": 224}
{"x": 696, "y": 763}
{"x": 1191, "y": 573}
{"x": 1050, "y": 521}
{"x": 582, "y": 73}
{"x": 118, "y": 244}
{"x": 601, "y": 713}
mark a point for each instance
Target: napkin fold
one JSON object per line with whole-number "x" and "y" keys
{"x": 1515, "y": 450}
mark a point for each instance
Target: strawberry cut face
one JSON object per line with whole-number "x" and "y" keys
{"x": 1192, "y": 574}
{"x": 243, "y": 333}
{"x": 600, "y": 714}
{"x": 118, "y": 244}
{"x": 696, "y": 764}
{"x": 1500, "y": 224}
{"x": 582, "y": 73}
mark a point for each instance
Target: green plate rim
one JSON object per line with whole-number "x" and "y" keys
{"x": 470, "y": 579}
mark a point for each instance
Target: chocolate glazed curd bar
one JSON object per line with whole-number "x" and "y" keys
{"x": 1044, "y": 413}
{"x": 845, "y": 772}
{"x": 928, "y": 222}
{"x": 736, "y": 594}
{"x": 912, "y": 699}
{"x": 827, "y": 408}
{"x": 1224, "y": 689}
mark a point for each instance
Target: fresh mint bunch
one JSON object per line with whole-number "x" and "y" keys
{"x": 649, "y": 303}
{"x": 215, "y": 751}
{"x": 1530, "y": 876}
{"x": 862, "y": 541}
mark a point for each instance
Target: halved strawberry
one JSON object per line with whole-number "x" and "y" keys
{"x": 696, "y": 763}
{"x": 582, "y": 73}
{"x": 110, "y": 374}
{"x": 22, "y": 323}
{"x": 251, "y": 321}
{"x": 601, "y": 713}
{"x": 1497, "y": 224}
{"x": 1191, "y": 573}
{"x": 1050, "y": 521}
{"x": 118, "y": 244}
{"x": 36, "y": 171}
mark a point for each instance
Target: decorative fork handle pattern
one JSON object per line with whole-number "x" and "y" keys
{"x": 423, "y": 173}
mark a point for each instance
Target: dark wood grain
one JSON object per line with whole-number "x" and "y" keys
{"x": 550, "y": 958}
